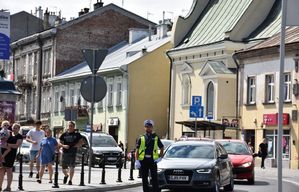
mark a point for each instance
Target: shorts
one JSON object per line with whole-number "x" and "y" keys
{"x": 32, "y": 155}
{"x": 9, "y": 158}
{"x": 68, "y": 160}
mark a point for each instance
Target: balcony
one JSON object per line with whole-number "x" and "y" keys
{"x": 24, "y": 80}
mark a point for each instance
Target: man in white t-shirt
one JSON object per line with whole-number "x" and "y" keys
{"x": 34, "y": 136}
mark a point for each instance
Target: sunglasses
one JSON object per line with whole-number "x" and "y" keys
{"x": 5, "y": 125}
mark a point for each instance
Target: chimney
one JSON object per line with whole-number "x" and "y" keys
{"x": 98, "y": 4}
{"x": 40, "y": 12}
{"x": 136, "y": 34}
{"x": 86, "y": 10}
{"x": 46, "y": 20}
{"x": 81, "y": 12}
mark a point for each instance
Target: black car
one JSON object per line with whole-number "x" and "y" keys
{"x": 196, "y": 165}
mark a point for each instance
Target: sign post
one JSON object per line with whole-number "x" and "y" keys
{"x": 196, "y": 110}
{"x": 94, "y": 59}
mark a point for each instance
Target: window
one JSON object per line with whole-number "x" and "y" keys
{"x": 185, "y": 90}
{"x": 210, "y": 99}
{"x": 34, "y": 101}
{"x": 78, "y": 101}
{"x": 56, "y": 102}
{"x": 35, "y": 63}
{"x": 251, "y": 90}
{"x": 62, "y": 100}
{"x": 270, "y": 89}
{"x": 47, "y": 62}
{"x": 110, "y": 92}
{"x": 72, "y": 97}
{"x": 287, "y": 87}
{"x": 119, "y": 94}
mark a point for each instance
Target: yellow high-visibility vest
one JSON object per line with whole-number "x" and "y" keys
{"x": 142, "y": 148}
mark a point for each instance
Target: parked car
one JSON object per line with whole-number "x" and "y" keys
{"x": 202, "y": 164}
{"x": 241, "y": 157}
{"x": 24, "y": 150}
{"x": 102, "y": 145}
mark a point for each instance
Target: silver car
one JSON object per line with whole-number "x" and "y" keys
{"x": 196, "y": 165}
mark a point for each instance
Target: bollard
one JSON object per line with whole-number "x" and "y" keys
{"x": 120, "y": 164}
{"x": 82, "y": 171}
{"x": 20, "y": 175}
{"x": 103, "y": 171}
{"x": 126, "y": 156}
{"x": 132, "y": 166}
{"x": 55, "y": 184}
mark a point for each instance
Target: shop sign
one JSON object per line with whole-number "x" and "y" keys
{"x": 272, "y": 119}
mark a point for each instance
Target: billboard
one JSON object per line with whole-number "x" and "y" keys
{"x": 7, "y": 111}
{"x": 4, "y": 35}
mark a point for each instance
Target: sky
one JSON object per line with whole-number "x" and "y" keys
{"x": 150, "y": 9}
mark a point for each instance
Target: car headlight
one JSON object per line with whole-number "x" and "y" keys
{"x": 160, "y": 170}
{"x": 248, "y": 164}
{"x": 98, "y": 152}
{"x": 206, "y": 170}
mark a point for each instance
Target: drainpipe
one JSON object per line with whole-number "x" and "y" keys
{"x": 39, "y": 79}
{"x": 237, "y": 88}
{"x": 169, "y": 100}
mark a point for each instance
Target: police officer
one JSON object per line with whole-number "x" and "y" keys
{"x": 147, "y": 155}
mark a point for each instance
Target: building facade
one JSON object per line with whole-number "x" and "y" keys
{"x": 202, "y": 62}
{"x": 259, "y": 90}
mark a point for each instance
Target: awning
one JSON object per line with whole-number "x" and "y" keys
{"x": 202, "y": 125}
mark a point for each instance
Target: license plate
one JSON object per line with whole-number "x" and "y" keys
{"x": 178, "y": 178}
{"x": 111, "y": 158}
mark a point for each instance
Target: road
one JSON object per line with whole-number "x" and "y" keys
{"x": 260, "y": 185}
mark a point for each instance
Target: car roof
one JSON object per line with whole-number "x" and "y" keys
{"x": 194, "y": 139}
{"x": 195, "y": 142}
{"x": 231, "y": 140}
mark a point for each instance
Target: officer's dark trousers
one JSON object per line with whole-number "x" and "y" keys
{"x": 147, "y": 165}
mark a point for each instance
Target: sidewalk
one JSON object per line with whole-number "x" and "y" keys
{"x": 30, "y": 184}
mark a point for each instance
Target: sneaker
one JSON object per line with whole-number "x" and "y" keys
{"x": 70, "y": 183}
{"x": 37, "y": 176}
{"x": 65, "y": 179}
{"x": 39, "y": 181}
{"x": 50, "y": 181}
{"x": 30, "y": 174}
{"x": 7, "y": 189}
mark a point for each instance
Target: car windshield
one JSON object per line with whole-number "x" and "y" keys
{"x": 190, "y": 151}
{"x": 25, "y": 145}
{"x": 237, "y": 148}
{"x": 103, "y": 141}
{"x": 166, "y": 143}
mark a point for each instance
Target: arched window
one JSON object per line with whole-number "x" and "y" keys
{"x": 185, "y": 90}
{"x": 210, "y": 99}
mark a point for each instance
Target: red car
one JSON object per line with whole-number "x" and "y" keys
{"x": 241, "y": 157}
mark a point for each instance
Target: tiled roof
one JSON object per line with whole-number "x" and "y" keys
{"x": 120, "y": 55}
{"x": 292, "y": 36}
{"x": 219, "y": 17}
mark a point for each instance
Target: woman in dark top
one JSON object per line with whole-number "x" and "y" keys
{"x": 263, "y": 152}
{"x": 14, "y": 142}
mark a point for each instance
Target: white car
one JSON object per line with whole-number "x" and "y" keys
{"x": 24, "y": 150}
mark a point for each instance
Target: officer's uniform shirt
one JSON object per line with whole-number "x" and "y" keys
{"x": 149, "y": 144}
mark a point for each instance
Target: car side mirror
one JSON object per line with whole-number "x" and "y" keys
{"x": 223, "y": 156}
{"x": 85, "y": 146}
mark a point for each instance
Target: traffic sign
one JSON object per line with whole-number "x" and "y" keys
{"x": 196, "y": 100}
{"x": 196, "y": 111}
{"x": 210, "y": 115}
{"x": 100, "y": 85}
{"x": 94, "y": 58}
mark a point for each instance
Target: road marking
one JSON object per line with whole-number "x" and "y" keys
{"x": 286, "y": 180}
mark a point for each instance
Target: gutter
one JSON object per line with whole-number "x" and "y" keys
{"x": 237, "y": 86}
{"x": 170, "y": 91}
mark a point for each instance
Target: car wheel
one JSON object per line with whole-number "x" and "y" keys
{"x": 216, "y": 187}
{"x": 230, "y": 186}
{"x": 251, "y": 181}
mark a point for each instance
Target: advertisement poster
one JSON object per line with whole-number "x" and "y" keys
{"x": 7, "y": 111}
{"x": 4, "y": 35}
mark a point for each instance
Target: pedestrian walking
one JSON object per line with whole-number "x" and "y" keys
{"x": 69, "y": 141}
{"x": 147, "y": 156}
{"x": 46, "y": 154}
{"x": 34, "y": 137}
{"x": 121, "y": 145}
{"x": 14, "y": 142}
{"x": 263, "y": 152}
{"x": 4, "y": 135}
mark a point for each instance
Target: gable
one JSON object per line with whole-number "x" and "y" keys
{"x": 186, "y": 68}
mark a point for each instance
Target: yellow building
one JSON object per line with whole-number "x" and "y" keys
{"x": 202, "y": 63}
{"x": 259, "y": 90}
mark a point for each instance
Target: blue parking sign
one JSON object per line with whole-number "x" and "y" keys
{"x": 196, "y": 111}
{"x": 196, "y": 100}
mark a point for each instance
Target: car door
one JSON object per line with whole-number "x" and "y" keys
{"x": 223, "y": 165}
{"x": 226, "y": 165}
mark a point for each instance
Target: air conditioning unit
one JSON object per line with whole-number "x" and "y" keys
{"x": 113, "y": 121}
